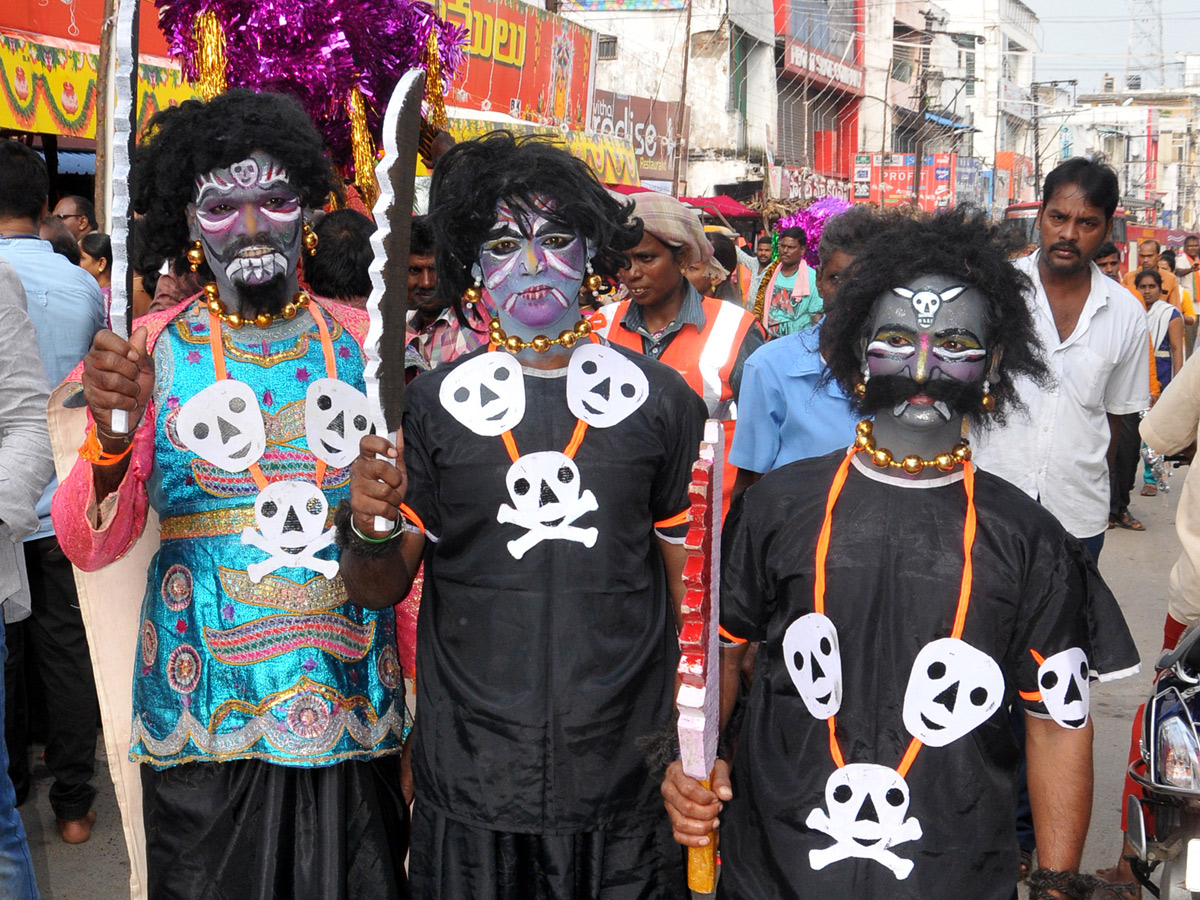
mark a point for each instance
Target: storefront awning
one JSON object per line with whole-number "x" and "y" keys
{"x": 944, "y": 122}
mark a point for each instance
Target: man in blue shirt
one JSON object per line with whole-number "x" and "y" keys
{"x": 787, "y": 410}
{"x": 67, "y": 309}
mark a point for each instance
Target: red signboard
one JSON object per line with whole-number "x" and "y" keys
{"x": 522, "y": 61}
{"x": 77, "y": 20}
{"x": 888, "y": 179}
{"x": 822, "y": 68}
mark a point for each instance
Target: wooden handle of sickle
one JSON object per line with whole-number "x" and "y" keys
{"x": 702, "y": 864}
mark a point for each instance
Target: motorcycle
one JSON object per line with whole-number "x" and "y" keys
{"x": 1164, "y": 824}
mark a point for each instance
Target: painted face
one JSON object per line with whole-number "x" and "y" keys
{"x": 248, "y": 218}
{"x": 953, "y": 689}
{"x": 532, "y": 269}
{"x": 929, "y": 330}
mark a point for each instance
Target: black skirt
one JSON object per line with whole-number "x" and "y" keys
{"x": 250, "y": 830}
{"x": 452, "y": 860}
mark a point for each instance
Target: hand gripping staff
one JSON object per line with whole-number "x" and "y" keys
{"x": 698, "y": 699}
{"x": 384, "y": 346}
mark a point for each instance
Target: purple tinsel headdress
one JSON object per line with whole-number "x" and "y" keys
{"x": 812, "y": 219}
{"x": 318, "y": 51}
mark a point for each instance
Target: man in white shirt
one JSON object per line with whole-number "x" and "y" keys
{"x": 1096, "y": 343}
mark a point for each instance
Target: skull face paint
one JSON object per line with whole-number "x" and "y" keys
{"x": 224, "y": 425}
{"x": 953, "y": 688}
{"x": 1063, "y": 681}
{"x": 249, "y": 220}
{"x": 336, "y": 418}
{"x": 546, "y": 500}
{"x": 603, "y": 387}
{"x": 532, "y": 268}
{"x": 928, "y": 330}
{"x": 814, "y": 660}
{"x": 867, "y": 806}
{"x": 485, "y": 394}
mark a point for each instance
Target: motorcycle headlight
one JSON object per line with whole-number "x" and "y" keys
{"x": 1178, "y": 754}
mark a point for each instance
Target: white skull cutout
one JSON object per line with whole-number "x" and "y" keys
{"x": 291, "y": 519}
{"x": 1063, "y": 681}
{"x": 814, "y": 660}
{"x": 603, "y": 387}
{"x": 927, "y": 302}
{"x": 224, "y": 425}
{"x": 336, "y": 418}
{"x": 485, "y": 394}
{"x": 952, "y": 690}
{"x": 546, "y": 493}
{"x": 867, "y": 806}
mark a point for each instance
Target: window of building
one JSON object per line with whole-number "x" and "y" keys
{"x": 606, "y": 46}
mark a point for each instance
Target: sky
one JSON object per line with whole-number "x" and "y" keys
{"x": 1084, "y": 41}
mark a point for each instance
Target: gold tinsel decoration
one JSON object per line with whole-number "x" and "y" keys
{"x": 435, "y": 104}
{"x": 210, "y": 55}
{"x": 363, "y": 148}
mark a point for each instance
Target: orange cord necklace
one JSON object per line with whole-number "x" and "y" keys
{"x": 964, "y": 593}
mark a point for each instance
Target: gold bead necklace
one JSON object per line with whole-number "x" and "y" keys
{"x": 540, "y": 344}
{"x": 911, "y": 464}
{"x": 212, "y": 300}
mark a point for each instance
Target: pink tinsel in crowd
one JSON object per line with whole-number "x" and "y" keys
{"x": 812, "y": 219}
{"x": 317, "y": 50}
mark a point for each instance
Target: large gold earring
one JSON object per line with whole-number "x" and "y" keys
{"x": 594, "y": 283}
{"x": 195, "y": 256}
{"x": 987, "y": 402}
{"x": 474, "y": 293}
{"x": 310, "y": 239}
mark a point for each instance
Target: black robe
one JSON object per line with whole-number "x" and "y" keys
{"x": 893, "y": 577}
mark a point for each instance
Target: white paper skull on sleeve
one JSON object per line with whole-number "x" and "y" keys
{"x": 953, "y": 688}
{"x": 1063, "y": 680}
{"x": 603, "y": 387}
{"x": 336, "y": 418}
{"x": 547, "y": 499}
{"x": 485, "y": 394}
{"x": 224, "y": 425}
{"x": 867, "y": 806}
{"x": 814, "y": 660}
{"x": 291, "y": 518}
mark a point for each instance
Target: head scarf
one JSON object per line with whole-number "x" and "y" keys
{"x": 677, "y": 225}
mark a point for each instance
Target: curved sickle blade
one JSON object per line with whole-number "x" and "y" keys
{"x": 124, "y": 124}
{"x": 384, "y": 346}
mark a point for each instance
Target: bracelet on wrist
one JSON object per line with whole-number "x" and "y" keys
{"x": 397, "y": 529}
{"x": 93, "y": 451}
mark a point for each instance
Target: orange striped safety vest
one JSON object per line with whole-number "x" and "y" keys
{"x": 705, "y": 358}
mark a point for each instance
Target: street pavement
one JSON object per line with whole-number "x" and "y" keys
{"x": 1135, "y": 564}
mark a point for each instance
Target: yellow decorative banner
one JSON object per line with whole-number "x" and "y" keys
{"x": 49, "y": 86}
{"x": 612, "y": 159}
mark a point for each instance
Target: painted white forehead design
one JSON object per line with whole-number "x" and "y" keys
{"x": 926, "y": 302}
{"x": 245, "y": 174}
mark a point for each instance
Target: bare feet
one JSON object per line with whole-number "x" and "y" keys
{"x": 76, "y": 831}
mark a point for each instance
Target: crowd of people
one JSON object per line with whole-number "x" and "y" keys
{"x": 927, "y": 441}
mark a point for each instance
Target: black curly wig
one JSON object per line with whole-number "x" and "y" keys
{"x": 961, "y": 244}
{"x": 472, "y": 177}
{"x": 193, "y": 138}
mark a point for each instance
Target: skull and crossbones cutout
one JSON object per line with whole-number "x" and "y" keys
{"x": 927, "y": 302}
{"x": 814, "y": 661}
{"x": 224, "y": 425}
{"x": 485, "y": 394}
{"x": 546, "y": 502}
{"x": 953, "y": 688}
{"x": 1063, "y": 680}
{"x": 336, "y": 417}
{"x": 867, "y": 807}
{"x": 603, "y": 387}
{"x": 291, "y": 519}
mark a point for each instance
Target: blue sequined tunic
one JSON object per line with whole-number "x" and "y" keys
{"x": 285, "y": 669}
